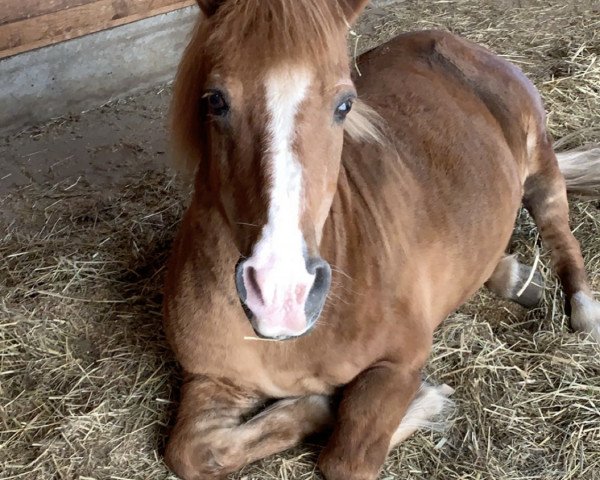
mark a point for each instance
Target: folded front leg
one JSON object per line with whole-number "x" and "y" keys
{"x": 370, "y": 412}
{"x": 211, "y": 439}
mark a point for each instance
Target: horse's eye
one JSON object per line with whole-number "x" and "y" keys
{"x": 216, "y": 103}
{"x": 343, "y": 109}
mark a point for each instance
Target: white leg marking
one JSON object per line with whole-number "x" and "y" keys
{"x": 514, "y": 276}
{"x": 430, "y": 402}
{"x": 532, "y": 141}
{"x": 505, "y": 278}
{"x": 585, "y": 314}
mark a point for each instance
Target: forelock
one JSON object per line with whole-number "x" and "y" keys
{"x": 275, "y": 29}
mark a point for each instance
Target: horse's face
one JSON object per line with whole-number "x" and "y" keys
{"x": 277, "y": 133}
{"x": 278, "y": 136}
{"x": 273, "y": 134}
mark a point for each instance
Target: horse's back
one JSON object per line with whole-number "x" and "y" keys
{"x": 454, "y": 87}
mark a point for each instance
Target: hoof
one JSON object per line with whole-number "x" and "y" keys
{"x": 515, "y": 281}
{"x": 585, "y": 315}
{"x": 533, "y": 293}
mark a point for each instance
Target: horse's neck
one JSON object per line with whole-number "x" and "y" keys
{"x": 372, "y": 214}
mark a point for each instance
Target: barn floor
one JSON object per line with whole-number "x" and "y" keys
{"x": 89, "y": 208}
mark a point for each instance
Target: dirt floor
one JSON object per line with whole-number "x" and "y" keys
{"x": 88, "y": 387}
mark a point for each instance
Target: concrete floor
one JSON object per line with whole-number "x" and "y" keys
{"x": 105, "y": 148}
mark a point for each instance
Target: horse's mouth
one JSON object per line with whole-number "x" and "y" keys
{"x": 311, "y": 325}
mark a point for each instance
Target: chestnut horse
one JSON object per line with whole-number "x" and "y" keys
{"x": 327, "y": 239}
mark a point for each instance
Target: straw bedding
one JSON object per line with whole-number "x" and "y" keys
{"x": 88, "y": 386}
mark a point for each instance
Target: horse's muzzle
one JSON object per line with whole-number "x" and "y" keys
{"x": 279, "y": 304}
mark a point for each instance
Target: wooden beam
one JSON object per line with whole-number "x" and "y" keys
{"x": 35, "y": 32}
{"x": 13, "y": 10}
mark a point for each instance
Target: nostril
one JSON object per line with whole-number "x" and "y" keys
{"x": 322, "y": 277}
{"x": 320, "y": 287}
{"x": 321, "y": 270}
{"x": 252, "y": 283}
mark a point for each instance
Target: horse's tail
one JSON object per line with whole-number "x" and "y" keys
{"x": 581, "y": 169}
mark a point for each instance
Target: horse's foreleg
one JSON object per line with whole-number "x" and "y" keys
{"x": 517, "y": 282}
{"x": 371, "y": 409}
{"x": 281, "y": 426}
{"x": 209, "y": 409}
{"x": 210, "y": 439}
{"x": 546, "y": 199}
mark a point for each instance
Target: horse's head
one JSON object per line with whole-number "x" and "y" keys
{"x": 260, "y": 103}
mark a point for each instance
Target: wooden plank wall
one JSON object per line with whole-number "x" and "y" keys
{"x": 29, "y": 24}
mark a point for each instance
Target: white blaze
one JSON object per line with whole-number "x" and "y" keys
{"x": 280, "y": 248}
{"x": 285, "y": 89}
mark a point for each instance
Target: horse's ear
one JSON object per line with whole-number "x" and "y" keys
{"x": 352, "y": 9}
{"x": 209, "y": 7}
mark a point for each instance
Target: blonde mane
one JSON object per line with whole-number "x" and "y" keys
{"x": 365, "y": 124}
{"x": 296, "y": 28}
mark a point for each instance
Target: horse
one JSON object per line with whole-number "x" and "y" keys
{"x": 329, "y": 235}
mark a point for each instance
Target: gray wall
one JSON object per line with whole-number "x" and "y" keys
{"x": 85, "y": 72}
